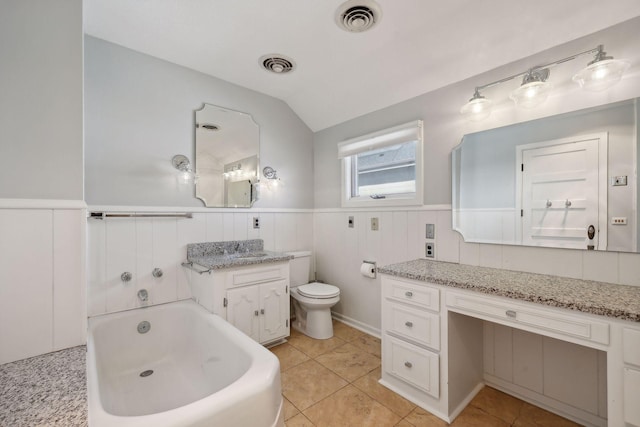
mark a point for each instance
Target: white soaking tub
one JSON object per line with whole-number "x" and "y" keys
{"x": 191, "y": 368}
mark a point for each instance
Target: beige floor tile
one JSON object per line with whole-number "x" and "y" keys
{"x": 369, "y": 344}
{"x": 404, "y": 423}
{"x": 475, "y": 417}
{"x": 350, "y": 407}
{"x": 369, "y": 384}
{"x": 299, "y": 421}
{"x": 498, "y": 404}
{"x": 532, "y": 416}
{"x": 309, "y": 383}
{"x": 421, "y": 418}
{"x": 288, "y": 409}
{"x": 289, "y": 356}
{"x": 349, "y": 361}
{"x": 314, "y": 348}
{"x": 345, "y": 332}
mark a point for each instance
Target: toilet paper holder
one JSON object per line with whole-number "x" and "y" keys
{"x": 368, "y": 269}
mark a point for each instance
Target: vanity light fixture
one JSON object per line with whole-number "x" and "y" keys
{"x": 534, "y": 89}
{"x": 182, "y": 163}
{"x": 601, "y": 73}
{"x": 272, "y": 176}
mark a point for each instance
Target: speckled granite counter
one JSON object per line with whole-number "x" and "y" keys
{"x": 238, "y": 253}
{"x": 606, "y": 299}
{"x": 47, "y": 390}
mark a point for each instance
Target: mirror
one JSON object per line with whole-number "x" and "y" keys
{"x": 565, "y": 181}
{"x": 227, "y": 157}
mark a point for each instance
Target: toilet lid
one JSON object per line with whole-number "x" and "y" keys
{"x": 318, "y": 290}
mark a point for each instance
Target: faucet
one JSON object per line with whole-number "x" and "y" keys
{"x": 143, "y": 295}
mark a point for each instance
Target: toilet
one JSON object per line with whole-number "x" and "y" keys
{"x": 312, "y": 302}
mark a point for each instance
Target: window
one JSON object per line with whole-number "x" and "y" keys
{"x": 383, "y": 168}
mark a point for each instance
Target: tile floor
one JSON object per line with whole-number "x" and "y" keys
{"x": 334, "y": 383}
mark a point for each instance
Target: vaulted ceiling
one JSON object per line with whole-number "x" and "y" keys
{"x": 418, "y": 45}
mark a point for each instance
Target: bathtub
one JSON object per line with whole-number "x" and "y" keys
{"x": 191, "y": 368}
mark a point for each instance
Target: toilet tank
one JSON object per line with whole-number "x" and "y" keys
{"x": 299, "y": 268}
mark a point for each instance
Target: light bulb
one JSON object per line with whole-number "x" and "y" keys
{"x": 601, "y": 75}
{"x": 532, "y": 94}
{"x": 478, "y": 108}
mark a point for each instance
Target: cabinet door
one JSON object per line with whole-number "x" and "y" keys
{"x": 243, "y": 310}
{"x": 274, "y": 304}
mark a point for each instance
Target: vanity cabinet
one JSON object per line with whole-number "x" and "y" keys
{"x": 260, "y": 311}
{"x": 253, "y": 298}
{"x": 411, "y": 340}
{"x": 631, "y": 375}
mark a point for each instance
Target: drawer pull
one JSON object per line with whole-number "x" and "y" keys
{"x": 408, "y": 324}
{"x": 408, "y": 294}
{"x": 511, "y": 313}
{"x": 256, "y": 313}
{"x": 408, "y": 364}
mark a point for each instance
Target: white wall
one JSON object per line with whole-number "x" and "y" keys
{"x": 41, "y": 101}
{"x": 443, "y": 130}
{"x": 138, "y": 245}
{"x": 42, "y": 277}
{"x": 42, "y": 216}
{"x": 140, "y": 113}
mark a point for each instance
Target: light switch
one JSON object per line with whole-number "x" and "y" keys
{"x": 374, "y": 224}
{"x": 431, "y": 231}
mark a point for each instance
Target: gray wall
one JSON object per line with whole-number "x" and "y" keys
{"x": 444, "y": 126}
{"x": 41, "y": 99}
{"x": 139, "y": 113}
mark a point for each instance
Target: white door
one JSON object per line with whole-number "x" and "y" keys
{"x": 243, "y": 310}
{"x": 563, "y": 192}
{"x": 274, "y": 319}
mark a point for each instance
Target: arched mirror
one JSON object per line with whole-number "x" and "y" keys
{"x": 227, "y": 157}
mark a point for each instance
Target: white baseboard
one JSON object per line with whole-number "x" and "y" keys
{"x": 356, "y": 324}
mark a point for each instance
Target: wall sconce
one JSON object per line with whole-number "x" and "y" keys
{"x": 600, "y": 74}
{"x": 272, "y": 177}
{"x": 182, "y": 163}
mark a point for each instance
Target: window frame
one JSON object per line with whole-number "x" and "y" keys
{"x": 347, "y": 150}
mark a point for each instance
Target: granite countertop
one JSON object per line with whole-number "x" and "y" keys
{"x": 216, "y": 262}
{"x": 605, "y": 299}
{"x": 236, "y": 253}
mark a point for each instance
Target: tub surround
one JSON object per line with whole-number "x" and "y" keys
{"x": 605, "y": 299}
{"x": 45, "y": 390}
{"x": 231, "y": 254}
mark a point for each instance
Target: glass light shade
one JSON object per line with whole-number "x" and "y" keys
{"x": 532, "y": 94}
{"x": 601, "y": 75}
{"x": 478, "y": 108}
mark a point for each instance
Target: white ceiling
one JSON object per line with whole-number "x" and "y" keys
{"x": 419, "y": 45}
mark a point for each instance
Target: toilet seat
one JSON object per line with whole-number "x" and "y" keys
{"x": 318, "y": 290}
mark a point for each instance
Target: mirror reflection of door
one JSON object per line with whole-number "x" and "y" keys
{"x": 563, "y": 192}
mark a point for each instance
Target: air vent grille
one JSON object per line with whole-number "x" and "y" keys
{"x": 357, "y": 16}
{"x": 278, "y": 64}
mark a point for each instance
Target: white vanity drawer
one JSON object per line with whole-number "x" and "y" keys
{"x": 412, "y": 293}
{"x": 414, "y": 324}
{"x": 413, "y": 365}
{"x": 631, "y": 346}
{"x": 254, "y": 274}
{"x": 536, "y": 319}
{"x": 631, "y": 392}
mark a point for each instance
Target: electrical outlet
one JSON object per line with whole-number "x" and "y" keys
{"x": 351, "y": 222}
{"x": 256, "y": 222}
{"x": 374, "y": 224}
{"x": 619, "y": 220}
{"x": 430, "y": 250}
{"x": 431, "y": 231}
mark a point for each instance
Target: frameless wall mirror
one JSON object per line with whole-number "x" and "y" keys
{"x": 566, "y": 181}
{"x": 227, "y": 157}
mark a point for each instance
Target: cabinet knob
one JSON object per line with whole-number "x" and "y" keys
{"x": 408, "y": 294}
{"x": 256, "y": 313}
{"x": 408, "y": 324}
{"x": 262, "y": 311}
{"x": 126, "y": 276}
{"x": 511, "y": 313}
{"x": 157, "y": 273}
{"x": 408, "y": 364}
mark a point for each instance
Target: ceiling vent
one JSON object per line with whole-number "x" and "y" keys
{"x": 357, "y": 16}
{"x": 277, "y": 63}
